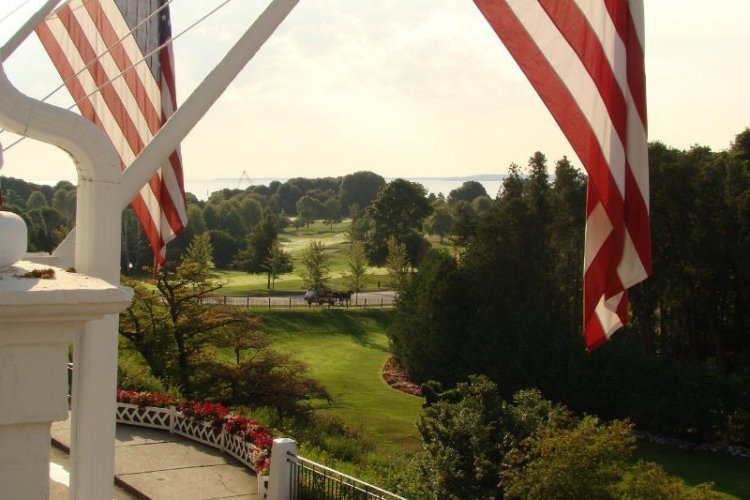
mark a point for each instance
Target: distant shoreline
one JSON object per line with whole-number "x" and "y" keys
{"x": 202, "y": 188}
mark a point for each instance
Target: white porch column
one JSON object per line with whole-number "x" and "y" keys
{"x": 39, "y": 319}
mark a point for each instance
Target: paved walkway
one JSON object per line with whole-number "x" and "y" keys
{"x": 155, "y": 464}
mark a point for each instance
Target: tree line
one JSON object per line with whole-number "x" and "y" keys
{"x": 243, "y": 224}
{"x": 510, "y": 306}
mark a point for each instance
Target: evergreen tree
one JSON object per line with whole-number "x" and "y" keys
{"x": 200, "y": 251}
{"x": 397, "y": 264}
{"x": 315, "y": 272}
{"x": 356, "y": 275}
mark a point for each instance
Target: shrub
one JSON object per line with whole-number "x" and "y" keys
{"x": 648, "y": 481}
{"x": 579, "y": 462}
{"x": 463, "y": 442}
{"x": 331, "y": 437}
{"x": 136, "y": 376}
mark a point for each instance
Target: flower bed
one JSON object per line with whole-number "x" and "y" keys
{"x": 144, "y": 399}
{"x": 209, "y": 423}
{"x": 395, "y": 376}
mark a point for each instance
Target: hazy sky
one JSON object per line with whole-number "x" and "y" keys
{"x": 403, "y": 88}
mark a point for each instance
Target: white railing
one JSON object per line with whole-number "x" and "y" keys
{"x": 169, "y": 419}
{"x": 292, "y": 476}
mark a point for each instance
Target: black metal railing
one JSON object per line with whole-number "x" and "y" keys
{"x": 295, "y": 302}
{"x": 312, "y": 481}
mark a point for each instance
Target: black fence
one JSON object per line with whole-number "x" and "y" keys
{"x": 312, "y": 481}
{"x": 297, "y": 302}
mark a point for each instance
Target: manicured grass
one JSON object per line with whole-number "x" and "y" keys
{"x": 346, "y": 351}
{"x": 296, "y": 241}
{"x": 731, "y": 475}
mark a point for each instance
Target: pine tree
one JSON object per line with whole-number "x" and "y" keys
{"x": 397, "y": 264}
{"x": 315, "y": 275}
{"x": 357, "y": 275}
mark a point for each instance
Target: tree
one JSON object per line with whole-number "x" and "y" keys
{"x": 440, "y": 222}
{"x": 278, "y": 262}
{"x": 200, "y": 251}
{"x": 360, "y": 189}
{"x": 170, "y": 328}
{"x": 481, "y": 204}
{"x": 287, "y": 196}
{"x": 135, "y": 249}
{"x": 309, "y": 209}
{"x": 64, "y": 200}
{"x": 356, "y": 264}
{"x": 40, "y": 236}
{"x": 359, "y": 229}
{"x": 259, "y": 243}
{"x": 465, "y": 221}
{"x": 397, "y": 264}
{"x": 430, "y": 321}
{"x": 468, "y": 191}
{"x": 250, "y": 210}
{"x": 399, "y": 210}
{"x": 332, "y": 210}
{"x": 315, "y": 275}
{"x": 47, "y": 228}
{"x": 568, "y": 205}
{"x": 229, "y": 219}
{"x": 180, "y": 339}
{"x": 225, "y": 248}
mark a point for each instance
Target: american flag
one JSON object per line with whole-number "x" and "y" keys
{"x": 92, "y": 43}
{"x": 585, "y": 59}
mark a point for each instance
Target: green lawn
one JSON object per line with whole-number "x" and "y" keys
{"x": 346, "y": 351}
{"x": 295, "y": 241}
{"x": 730, "y": 475}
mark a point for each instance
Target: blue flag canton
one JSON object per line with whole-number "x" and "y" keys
{"x": 152, "y": 33}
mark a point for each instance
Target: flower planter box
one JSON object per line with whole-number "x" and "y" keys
{"x": 239, "y": 449}
{"x": 144, "y": 416}
{"x": 171, "y": 420}
{"x": 198, "y": 431}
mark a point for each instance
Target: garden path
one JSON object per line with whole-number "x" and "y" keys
{"x": 155, "y": 464}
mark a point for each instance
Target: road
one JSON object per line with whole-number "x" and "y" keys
{"x": 383, "y": 298}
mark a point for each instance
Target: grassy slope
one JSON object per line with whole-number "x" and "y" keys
{"x": 295, "y": 241}
{"x": 346, "y": 351}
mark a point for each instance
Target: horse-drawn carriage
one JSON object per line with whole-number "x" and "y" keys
{"x": 330, "y": 297}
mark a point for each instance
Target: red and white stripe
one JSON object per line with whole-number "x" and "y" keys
{"x": 585, "y": 60}
{"x": 130, "y": 110}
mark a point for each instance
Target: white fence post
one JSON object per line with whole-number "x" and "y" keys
{"x": 172, "y": 411}
{"x": 279, "y": 481}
